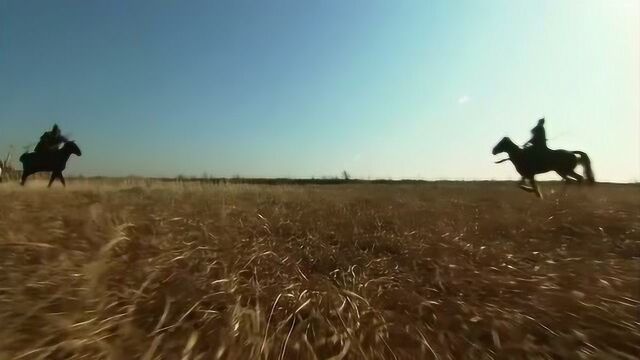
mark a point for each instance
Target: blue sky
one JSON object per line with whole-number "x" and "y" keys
{"x": 383, "y": 89}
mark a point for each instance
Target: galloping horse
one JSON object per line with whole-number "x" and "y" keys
{"x": 529, "y": 162}
{"x": 53, "y": 161}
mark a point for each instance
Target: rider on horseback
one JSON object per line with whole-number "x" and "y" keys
{"x": 539, "y": 137}
{"x": 51, "y": 140}
{"x": 537, "y": 146}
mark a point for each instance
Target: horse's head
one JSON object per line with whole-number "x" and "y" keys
{"x": 503, "y": 146}
{"x": 72, "y": 148}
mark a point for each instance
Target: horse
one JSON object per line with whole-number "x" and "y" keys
{"x": 529, "y": 162}
{"x": 53, "y": 161}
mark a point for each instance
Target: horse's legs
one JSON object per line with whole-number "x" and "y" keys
{"x": 523, "y": 181}
{"x": 51, "y": 179}
{"x": 24, "y": 178}
{"x": 523, "y": 186}
{"x": 62, "y": 179}
{"x": 535, "y": 188}
{"x": 568, "y": 180}
{"x": 576, "y": 176}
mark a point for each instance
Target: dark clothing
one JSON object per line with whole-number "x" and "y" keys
{"x": 539, "y": 138}
{"x": 50, "y": 140}
{"x": 537, "y": 146}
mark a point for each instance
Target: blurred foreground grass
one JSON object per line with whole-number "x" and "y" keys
{"x": 195, "y": 271}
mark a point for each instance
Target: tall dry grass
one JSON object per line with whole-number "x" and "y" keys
{"x": 195, "y": 271}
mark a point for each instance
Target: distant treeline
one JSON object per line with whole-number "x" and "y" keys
{"x": 293, "y": 181}
{"x": 290, "y": 181}
{"x": 260, "y": 181}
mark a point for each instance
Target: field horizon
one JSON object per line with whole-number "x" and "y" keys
{"x": 325, "y": 180}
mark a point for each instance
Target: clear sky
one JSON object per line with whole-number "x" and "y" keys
{"x": 383, "y": 89}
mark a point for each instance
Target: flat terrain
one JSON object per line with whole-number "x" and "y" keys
{"x": 154, "y": 270}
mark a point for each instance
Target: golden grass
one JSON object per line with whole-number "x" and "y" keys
{"x": 195, "y": 271}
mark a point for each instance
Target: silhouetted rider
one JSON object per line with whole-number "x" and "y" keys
{"x": 50, "y": 140}
{"x": 539, "y": 137}
{"x": 537, "y": 146}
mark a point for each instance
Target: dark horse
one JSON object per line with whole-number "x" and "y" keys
{"x": 54, "y": 161}
{"x": 531, "y": 161}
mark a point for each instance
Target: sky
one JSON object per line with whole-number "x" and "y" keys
{"x": 291, "y": 88}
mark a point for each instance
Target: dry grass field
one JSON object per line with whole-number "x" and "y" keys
{"x": 154, "y": 270}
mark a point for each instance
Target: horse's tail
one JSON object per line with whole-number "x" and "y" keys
{"x": 586, "y": 163}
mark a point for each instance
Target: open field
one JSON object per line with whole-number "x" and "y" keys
{"x": 156, "y": 270}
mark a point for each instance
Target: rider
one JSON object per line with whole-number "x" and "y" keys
{"x": 50, "y": 140}
{"x": 539, "y": 137}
